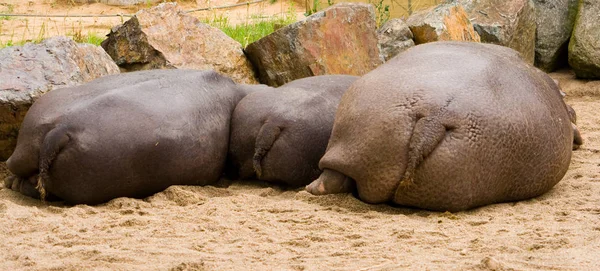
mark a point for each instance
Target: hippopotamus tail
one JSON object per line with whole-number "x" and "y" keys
{"x": 267, "y": 135}
{"x": 53, "y": 142}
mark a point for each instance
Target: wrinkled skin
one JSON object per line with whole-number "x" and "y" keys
{"x": 449, "y": 126}
{"x": 280, "y": 134}
{"x": 127, "y": 135}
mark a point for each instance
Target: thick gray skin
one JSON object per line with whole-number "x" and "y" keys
{"x": 449, "y": 126}
{"x": 127, "y": 135}
{"x": 280, "y": 134}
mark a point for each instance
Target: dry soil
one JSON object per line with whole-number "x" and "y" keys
{"x": 254, "y": 226}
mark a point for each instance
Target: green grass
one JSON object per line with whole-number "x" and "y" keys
{"x": 254, "y": 28}
{"x": 9, "y": 44}
{"x": 250, "y": 31}
{"x": 91, "y": 38}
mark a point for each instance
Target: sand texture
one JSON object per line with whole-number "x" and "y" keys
{"x": 254, "y": 226}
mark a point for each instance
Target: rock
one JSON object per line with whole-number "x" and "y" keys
{"x": 508, "y": 23}
{"x": 393, "y": 38}
{"x": 443, "y": 22}
{"x": 163, "y": 37}
{"x": 118, "y": 2}
{"x": 584, "y": 52}
{"x": 555, "y": 20}
{"x": 341, "y": 39}
{"x": 27, "y": 72}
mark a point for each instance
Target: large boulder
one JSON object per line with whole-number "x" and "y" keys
{"x": 445, "y": 22}
{"x": 555, "y": 20}
{"x": 508, "y": 23}
{"x": 163, "y": 37}
{"x": 394, "y": 37}
{"x": 584, "y": 47}
{"x": 27, "y": 72}
{"x": 341, "y": 39}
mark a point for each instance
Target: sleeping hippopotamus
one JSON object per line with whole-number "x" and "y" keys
{"x": 280, "y": 134}
{"x": 449, "y": 126}
{"x": 126, "y": 135}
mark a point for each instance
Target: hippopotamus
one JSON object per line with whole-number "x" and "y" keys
{"x": 126, "y": 135}
{"x": 449, "y": 126}
{"x": 279, "y": 135}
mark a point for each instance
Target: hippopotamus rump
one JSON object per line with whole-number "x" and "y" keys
{"x": 449, "y": 126}
{"x": 280, "y": 134}
{"x": 126, "y": 135}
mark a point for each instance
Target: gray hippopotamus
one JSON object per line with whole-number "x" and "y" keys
{"x": 280, "y": 134}
{"x": 449, "y": 126}
{"x": 130, "y": 135}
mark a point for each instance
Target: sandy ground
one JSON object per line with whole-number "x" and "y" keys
{"x": 36, "y": 28}
{"x": 252, "y": 226}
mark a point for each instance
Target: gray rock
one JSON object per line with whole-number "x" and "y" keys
{"x": 27, "y": 72}
{"x": 393, "y": 38}
{"x": 163, "y": 37}
{"x": 555, "y": 20}
{"x": 509, "y": 23}
{"x": 341, "y": 39}
{"x": 584, "y": 47}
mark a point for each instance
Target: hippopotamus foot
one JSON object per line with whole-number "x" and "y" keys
{"x": 331, "y": 182}
{"x": 26, "y": 187}
{"x": 23, "y": 186}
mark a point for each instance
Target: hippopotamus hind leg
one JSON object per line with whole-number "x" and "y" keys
{"x": 331, "y": 182}
{"x": 26, "y": 187}
{"x": 23, "y": 186}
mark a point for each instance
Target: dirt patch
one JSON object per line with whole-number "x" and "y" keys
{"x": 16, "y": 29}
{"x": 252, "y": 226}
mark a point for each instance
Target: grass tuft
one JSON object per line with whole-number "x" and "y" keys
{"x": 255, "y": 27}
{"x": 249, "y": 32}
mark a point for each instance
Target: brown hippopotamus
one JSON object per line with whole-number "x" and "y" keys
{"x": 449, "y": 126}
{"x": 280, "y": 134}
{"x": 126, "y": 135}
